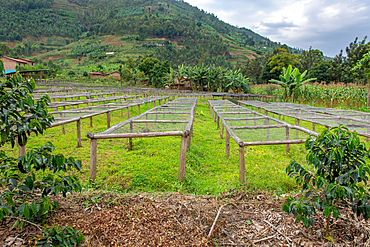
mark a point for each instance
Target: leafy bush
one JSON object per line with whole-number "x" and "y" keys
{"x": 339, "y": 179}
{"x": 57, "y": 236}
{"x": 24, "y": 190}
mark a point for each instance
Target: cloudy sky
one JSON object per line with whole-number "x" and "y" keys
{"x": 327, "y": 25}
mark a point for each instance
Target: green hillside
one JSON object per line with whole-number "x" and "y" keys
{"x": 81, "y": 32}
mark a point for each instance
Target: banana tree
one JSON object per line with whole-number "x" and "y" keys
{"x": 285, "y": 81}
{"x": 298, "y": 81}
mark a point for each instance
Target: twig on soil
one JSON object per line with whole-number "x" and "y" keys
{"x": 232, "y": 238}
{"x": 276, "y": 229}
{"x": 264, "y": 239}
{"x": 38, "y": 227}
{"x": 249, "y": 240}
{"x": 214, "y": 222}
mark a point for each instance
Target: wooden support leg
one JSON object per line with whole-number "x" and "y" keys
{"x": 222, "y": 132}
{"x": 287, "y": 148}
{"x": 182, "y": 163}
{"x": 130, "y": 139}
{"x": 79, "y": 133}
{"x": 227, "y": 143}
{"x": 108, "y": 120}
{"x": 189, "y": 139}
{"x": 296, "y": 131}
{"x": 93, "y": 158}
{"x": 21, "y": 150}
{"x": 241, "y": 165}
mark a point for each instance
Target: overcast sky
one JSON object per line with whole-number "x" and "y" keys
{"x": 327, "y": 25}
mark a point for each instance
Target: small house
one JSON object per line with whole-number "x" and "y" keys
{"x": 95, "y": 74}
{"x": 11, "y": 63}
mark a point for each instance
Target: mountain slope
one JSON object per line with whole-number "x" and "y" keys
{"x": 193, "y": 36}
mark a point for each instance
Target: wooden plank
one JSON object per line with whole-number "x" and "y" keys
{"x": 93, "y": 158}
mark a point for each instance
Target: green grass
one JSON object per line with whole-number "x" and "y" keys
{"x": 152, "y": 165}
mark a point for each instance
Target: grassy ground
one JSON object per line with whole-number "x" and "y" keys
{"x": 152, "y": 165}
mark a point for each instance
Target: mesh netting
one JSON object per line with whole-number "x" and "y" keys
{"x": 173, "y": 116}
{"x": 251, "y": 126}
{"x": 354, "y": 120}
{"x": 100, "y": 109}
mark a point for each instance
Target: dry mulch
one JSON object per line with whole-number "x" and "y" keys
{"x": 174, "y": 219}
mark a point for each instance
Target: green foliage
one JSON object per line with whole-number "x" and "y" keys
{"x": 56, "y": 236}
{"x": 38, "y": 171}
{"x": 91, "y": 51}
{"x": 211, "y": 78}
{"x": 291, "y": 81}
{"x": 339, "y": 179}
{"x": 154, "y": 69}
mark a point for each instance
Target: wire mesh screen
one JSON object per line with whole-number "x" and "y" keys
{"x": 251, "y": 126}
{"x": 173, "y": 116}
{"x": 354, "y": 120}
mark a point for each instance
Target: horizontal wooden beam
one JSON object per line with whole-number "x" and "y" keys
{"x": 133, "y": 135}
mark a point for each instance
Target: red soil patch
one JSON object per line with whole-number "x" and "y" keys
{"x": 111, "y": 41}
{"x": 11, "y": 45}
{"x": 50, "y": 58}
{"x": 247, "y": 55}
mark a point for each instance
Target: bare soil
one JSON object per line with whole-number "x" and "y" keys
{"x": 174, "y": 219}
{"x": 112, "y": 41}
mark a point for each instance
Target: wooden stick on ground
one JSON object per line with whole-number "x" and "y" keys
{"x": 276, "y": 229}
{"x": 214, "y": 222}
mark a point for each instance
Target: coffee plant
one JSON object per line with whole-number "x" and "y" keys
{"x": 338, "y": 178}
{"x": 27, "y": 181}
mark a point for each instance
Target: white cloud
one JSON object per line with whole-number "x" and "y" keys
{"x": 327, "y": 25}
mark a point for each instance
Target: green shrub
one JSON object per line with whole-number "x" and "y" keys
{"x": 338, "y": 180}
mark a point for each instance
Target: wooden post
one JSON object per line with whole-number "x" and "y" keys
{"x": 121, "y": 112}
{"x": 138, "y": 108}
{"x": 63, "y": 130}
{"x": 268, "y": 130}
{"x": 91, "y": 122}
{"x": 128, "y": 113}
{"x": 130, "y": 139}
{"x": 313, "y": 127}
{"x": 241, "y": 164}
{"x": 182, "y": 163}
{"x": 147, "y": 106}
{"x": 79, "y": 133}
{"x": 287, "y": 149}
{"x": 296, "y": 131}
{"x": 227, "y": 143}
{"x": 218, "y": 122}
{"x": 189, "y": 139}
{"x": 222, "y": 131}
{"x": 21, "y": 150}
{"x": 93, "y": 158}
{"x": 108, "y": 120}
